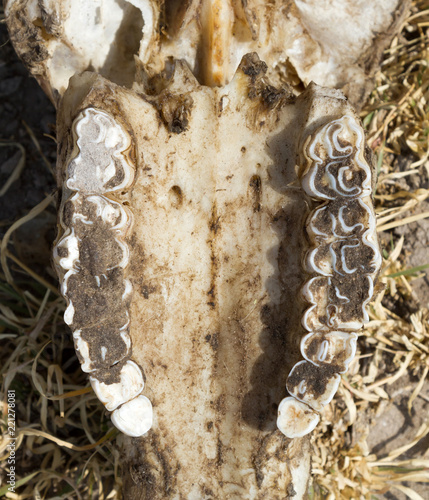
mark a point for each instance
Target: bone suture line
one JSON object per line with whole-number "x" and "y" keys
{"x": 344, "y": 260}
{"x": 91, "y": 256}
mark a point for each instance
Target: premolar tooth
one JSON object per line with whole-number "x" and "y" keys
{"x": 135, "y": 417}
{"x": 313, "y": 385}
{"x": 296, "y": 419}
{"x": 333, "y": 348}
{"x": 129, "y": 386}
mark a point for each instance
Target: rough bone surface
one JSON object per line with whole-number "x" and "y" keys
{"x": 297, "y": 39}
{"x": 209, "y": 320}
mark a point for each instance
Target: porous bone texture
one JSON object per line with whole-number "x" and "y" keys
{"x": 335, "y": 43}
{"x": 215, "y": 233}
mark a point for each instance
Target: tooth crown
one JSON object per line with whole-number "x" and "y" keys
{"x": 91, "y": 258}
{"x": 344, "y": 259}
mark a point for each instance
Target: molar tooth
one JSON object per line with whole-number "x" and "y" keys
{"x": 333, "y": 171}
{"x": 93, "y": 129}
{"x": 117, "y": 340}
{"x": 296, "y": 419}
{"x": 313, "y": 385}
{"x": 335, "y": 348}
{"x": 135, "y": 417}
{"x": 332, "y": 221}
{"x": 129, "y": 386}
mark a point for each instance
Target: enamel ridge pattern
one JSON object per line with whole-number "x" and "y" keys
{"x": 343, "y": 260}
{"x": 91, "y": 257}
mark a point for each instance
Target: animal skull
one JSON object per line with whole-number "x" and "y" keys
{"x": 214, "y": 227}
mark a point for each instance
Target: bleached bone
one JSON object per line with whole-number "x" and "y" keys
{"x": 298, "y": 39}
{"x": 202, "y": 225}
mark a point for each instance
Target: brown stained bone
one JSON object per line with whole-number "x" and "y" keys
{"x": 216, "y": 245}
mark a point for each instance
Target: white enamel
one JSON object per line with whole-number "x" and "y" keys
{"x": 134, "y": 418}
{"x": 69, "y": 314}
{"x": 296, "y": 419}
{"x": 128, "y": 289}
{"x": 65, "y": 281}
{"x": 83, "y": 348}
{"x": 112, "y": 395}
{"x": 304, "y": 391}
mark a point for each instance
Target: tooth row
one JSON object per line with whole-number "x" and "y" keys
{"x": 91, "y": 257}
{"x": 344, "y": 260}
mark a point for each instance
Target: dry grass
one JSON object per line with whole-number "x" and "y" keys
{"x": 64, "y": 446}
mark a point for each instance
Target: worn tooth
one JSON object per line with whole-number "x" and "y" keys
{"x": 340, "y": 219}
{"x": 114, "y": 394}
{"x": 333, "y": 170}
{"x": 99, "y": 299}
{"x": 330, "y": 348}
{"x": 108, "y": 338}
{"x": 102, "y": 164}
{"x": 296, "y": 419}
{"x": 337, "y": 304}
{"x": 134, "y": 418}
{"x": 343, "y": 257}
{"x": 313, "y": 385}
